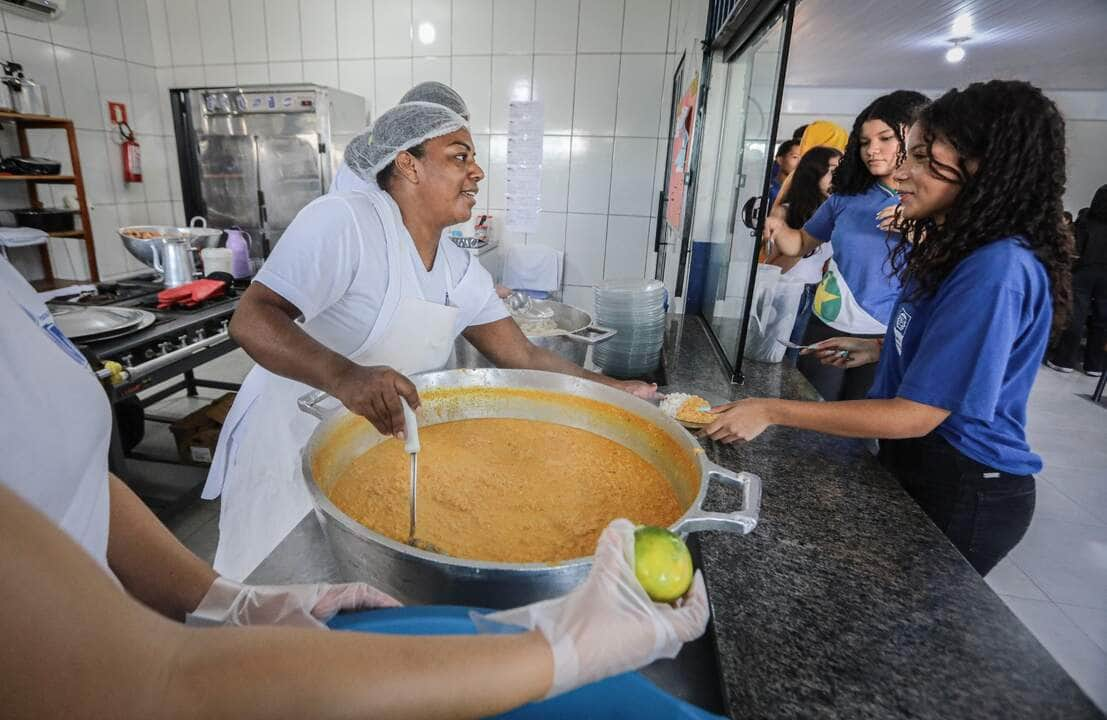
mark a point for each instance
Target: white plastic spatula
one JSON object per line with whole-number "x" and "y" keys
{"x": 411, "y": 447}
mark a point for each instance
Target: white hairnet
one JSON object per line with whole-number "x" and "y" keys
{"x": 438, "y": 93}
{"x": 398, "y": 129}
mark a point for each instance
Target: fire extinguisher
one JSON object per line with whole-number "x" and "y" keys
{"x": 132, "y": 155}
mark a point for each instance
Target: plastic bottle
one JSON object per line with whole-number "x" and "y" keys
{"x": 238, "y": 242}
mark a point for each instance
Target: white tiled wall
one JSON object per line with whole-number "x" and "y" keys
{"x": 99, "y": 50}
{"x": 601, "y": 67}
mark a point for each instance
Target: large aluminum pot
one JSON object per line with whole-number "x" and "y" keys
{"x": 418, "y": 576}
{"x": 577, "y": 334}
{"x": 144, "y": 248}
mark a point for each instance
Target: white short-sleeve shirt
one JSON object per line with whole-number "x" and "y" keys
{"x": 332, "y": 264}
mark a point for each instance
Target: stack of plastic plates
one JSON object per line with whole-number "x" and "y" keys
{"x": 636, "y": 309}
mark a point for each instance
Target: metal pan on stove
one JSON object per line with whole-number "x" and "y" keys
{"x": 88, "y": 323}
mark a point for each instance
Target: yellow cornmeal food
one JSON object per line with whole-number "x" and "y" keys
{"x": 506, "y": 490}
{"x": 690, "y": 411}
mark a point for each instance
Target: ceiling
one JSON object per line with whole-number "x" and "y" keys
{"x": 1058, "y": 44}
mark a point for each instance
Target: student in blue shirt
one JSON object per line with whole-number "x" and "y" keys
{"x": 985, "y": 268}
{"x": 858, "y": 288}
{"x": 787, "y": 158}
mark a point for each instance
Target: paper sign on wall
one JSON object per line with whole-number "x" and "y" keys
{"x": 523, "y": 180}
{"x": 683, "y": 131}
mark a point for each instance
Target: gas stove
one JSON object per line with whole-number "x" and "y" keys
{"x": 177, "y": 341}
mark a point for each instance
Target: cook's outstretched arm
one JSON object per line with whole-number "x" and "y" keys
{"x": 76, "y": 646}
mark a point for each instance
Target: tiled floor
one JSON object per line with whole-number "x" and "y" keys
{"x": 1055, "y": 581}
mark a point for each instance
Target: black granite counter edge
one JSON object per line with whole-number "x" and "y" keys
{"x": 846, "y": 601}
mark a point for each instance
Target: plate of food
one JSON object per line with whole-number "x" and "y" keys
{"x": 691, "y": 411}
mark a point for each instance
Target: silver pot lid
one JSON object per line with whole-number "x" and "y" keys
{"x": 77, "y": 323}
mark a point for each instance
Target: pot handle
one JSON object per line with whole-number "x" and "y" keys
{"x": 310, "y": 403}
{"x": 742, "y": 521}
{"x": 592, "y": 334}
{"x": 202, "y": 224}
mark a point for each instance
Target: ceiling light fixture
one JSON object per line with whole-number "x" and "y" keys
{"x": 956, "y": 53}
{"x": 426, "y": 33}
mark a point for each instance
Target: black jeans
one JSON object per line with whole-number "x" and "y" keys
{"x": 831, "y": 382}
{"x": 1089, "y": 309}
{"x": 984, "y": 512}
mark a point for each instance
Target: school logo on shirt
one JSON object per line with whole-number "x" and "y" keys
{"x": 828, "y": 298}
{"x": 903, "y": 319}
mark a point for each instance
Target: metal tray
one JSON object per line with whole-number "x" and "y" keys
{"x": 78, "y": 323}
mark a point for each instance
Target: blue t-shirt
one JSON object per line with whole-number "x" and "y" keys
{"x": 860, "y": 247}
{"x": 974, "y": 348}
{"x": 774, "y": 190}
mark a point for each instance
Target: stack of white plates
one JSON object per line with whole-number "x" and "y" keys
{"x": 636, "y": 309}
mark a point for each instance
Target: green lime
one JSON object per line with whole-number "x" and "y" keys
{"x": 662, "y": 563}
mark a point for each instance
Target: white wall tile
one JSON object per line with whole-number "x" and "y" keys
{"x": 109, "y": 251}
{"x": 590, "y": 174}
{"x": 391, "y": 28}
{"x": 144, "y": 115}
{"x": 159, "y": 32}
{"x": 67, "y": 257}
{"x": 632, "y": 176}
{"x": 511, "y": 80}
{"x": 601, "y": 26}
{"x": 92, "y": 144}
{"x": 596, "y": 92}
{"x": 628, "y": 242}
{"x": 554, "y": 80}
{"x": 219, "y": 75}
{"x": 216, "y": 34}
{"x": 472, "y": 78}
{"x": 317, "y": 27}
{"x": 111, "y": 80}
{"x": 580, "y": 296}
{"x": 555, "y": 173}
{"x": 431, "y": 34}
{"x": 646, "y": 26}
{"x": 471, "y": 33}
{"x": 641, "y": 80}
{"x": 282, "y": 29}
{"x": 251, "y": 73}
{"x": 496, "y": 169}
{"x": 248, "y": 21}
{"x": 155, "y": 170}
{"x": 321, "y": 72}
{"x": 424, "y": 69}
{"x": 188, "y": 76}
{"x": 393, "y": 80}
{"x": 551, "y": 232}
{"x": 174, "y": 172}
{"x": 135, "y": 25}
{"x": 585, "y": 238}
{"x": 161, "y": 213}
{"x": 355, "y": 29}
{"x": 71, "y": 29}
{"x": 184, "y": 31}
{"x": 164, "y": 77}
{"x": 26, "y": 27}
{"x": 512, "y": 26}
{"x": 555, "y": 23}
{"x": 286, "y": 72}
{"x": 356, "y": 76}
{"x": 37, "y": 58}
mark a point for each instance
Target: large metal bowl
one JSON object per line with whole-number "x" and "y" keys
{"x": 572, "y": 343}
{"x": 143, "y": 248}
{"x": 418, "y": 576}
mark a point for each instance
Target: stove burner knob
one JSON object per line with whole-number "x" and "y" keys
{"x": 183, "y": 340}
{"x": 226, "y": 325}
{"x": 127, "y": 360}
{"x": 200, "y": 334}
{"x": 150, "y": 353}
{"x": 166, "y": 347}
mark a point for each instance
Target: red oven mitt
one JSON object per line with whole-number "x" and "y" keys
{"x": 191, "y": 294}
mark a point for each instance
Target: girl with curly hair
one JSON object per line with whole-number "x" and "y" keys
{"x": 985, "y": 265}
{"x": 858, "y": 290}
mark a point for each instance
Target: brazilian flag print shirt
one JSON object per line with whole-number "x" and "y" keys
{"x": 857, "y": 292}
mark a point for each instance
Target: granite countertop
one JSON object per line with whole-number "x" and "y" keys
{"x": 846, "y": 601}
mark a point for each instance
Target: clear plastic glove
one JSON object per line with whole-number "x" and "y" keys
{"x": 608, "y": 625}
{"x": 231, "y": 603}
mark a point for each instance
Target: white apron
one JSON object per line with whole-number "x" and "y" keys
{"x": 257, "y": 467}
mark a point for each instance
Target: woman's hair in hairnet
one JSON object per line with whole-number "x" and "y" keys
{"x": 398, "y": 129}
{"x": 439, "y": 94}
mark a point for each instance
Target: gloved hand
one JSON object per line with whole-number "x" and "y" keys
{"x": 608, "y": 625}
{"x": 231, "y": 603}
